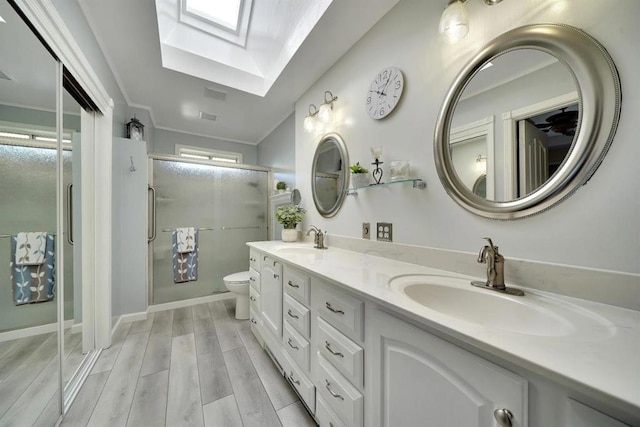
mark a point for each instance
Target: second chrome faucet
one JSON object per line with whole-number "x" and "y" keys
{"x": 319, "y": 237}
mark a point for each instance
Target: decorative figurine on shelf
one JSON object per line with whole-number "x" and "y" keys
{"x": 377, "y": 172}
{"x": 135, "y": 129}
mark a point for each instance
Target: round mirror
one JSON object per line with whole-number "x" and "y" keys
{"x": 328, "y": 174}
{"x": 527, "y": 121}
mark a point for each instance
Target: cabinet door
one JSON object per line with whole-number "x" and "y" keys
{"x": 415, "y": 378}
{"x": 271, "y": 295}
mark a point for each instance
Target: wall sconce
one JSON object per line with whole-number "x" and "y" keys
{"x": 481, "y": 164}
{"x": 454, "y": 22}
{"x": 325, "y": 114}
{"x": 309, "y": 123}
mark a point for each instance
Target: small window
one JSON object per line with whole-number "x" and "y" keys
{"x": 198, "y": 153}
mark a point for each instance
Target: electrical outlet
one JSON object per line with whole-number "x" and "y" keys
{"x": 366, "y": 230}
{"x": 384, "y": 231}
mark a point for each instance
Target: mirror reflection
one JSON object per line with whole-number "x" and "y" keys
{"x": 514, "y": 124}
{"x": 329, "y": 174}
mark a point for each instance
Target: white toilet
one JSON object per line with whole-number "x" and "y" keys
{"x": 238, "y": 283}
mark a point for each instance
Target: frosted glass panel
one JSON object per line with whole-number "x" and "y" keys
{"x": 28, "y": 203}
{"x": 231, "y": 201}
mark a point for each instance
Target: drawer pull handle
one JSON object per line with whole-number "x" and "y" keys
{"x": 335, "y": 353}
{"x": 292, "y": 380}
{"x": 275, "y": 276}
{"x": 333, "y": 309}
{"x": 252, "y": 298}
{"x": 254, "y": 321}
{"x": 333, "y": 393}
{"x": 291, "y": 345}
{"x": 274, "y": 263}
{"x": 292, "y": 284}
{"x": 292, "y": 315}
{"x": 253, "y": 279}
{"x": 264, "y": 258}
{"x": 252, "y": 259}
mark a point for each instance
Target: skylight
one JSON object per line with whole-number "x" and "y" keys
{"x": 222, "y": 12}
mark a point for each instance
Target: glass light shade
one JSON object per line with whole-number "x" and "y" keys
{"x": 309, "y": 124}
{"x": 325, "y": 114}
{"x": 454, "y": 24}
{"x": 481, "y": 165}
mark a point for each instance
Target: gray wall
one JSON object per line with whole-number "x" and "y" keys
{"x": 278, "y": 151}
{"x": 597, "y": 227}
{"x": 165, "y": 143}
{"x": 31, "y": 116}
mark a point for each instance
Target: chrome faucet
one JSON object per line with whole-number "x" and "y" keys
{"x": 318, "y": 238}
{"x": 495, "y": 270}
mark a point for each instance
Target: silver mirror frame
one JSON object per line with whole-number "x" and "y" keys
{"x": 345, "y": 164}
{"x": 599, "y": 93}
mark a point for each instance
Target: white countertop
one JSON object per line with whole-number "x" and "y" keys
{"x": 602, "y": 356}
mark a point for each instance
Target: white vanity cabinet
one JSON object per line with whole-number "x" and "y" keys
{"x": 415, "y": 378}
{"x": 271, "y": 295}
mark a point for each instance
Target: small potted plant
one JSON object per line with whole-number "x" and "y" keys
{"x": 359, "y": 176}
{"x": 281, "y": 186}
{"x": 289, "y": 216}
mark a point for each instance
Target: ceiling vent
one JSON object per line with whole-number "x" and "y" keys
{"x": 4, "y": 76}
{"x": 207, "y": 116}
{"x": 210, "y": 92}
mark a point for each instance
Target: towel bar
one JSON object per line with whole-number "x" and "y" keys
{"x": 169, "y": 230}
{"x": 9, "y": 235}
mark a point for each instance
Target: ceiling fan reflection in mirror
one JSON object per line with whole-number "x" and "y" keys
{"x": 562, "y": 123}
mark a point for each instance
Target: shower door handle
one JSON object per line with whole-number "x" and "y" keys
{"x": 70, "y": 214}
{"x": 153, "y": 214}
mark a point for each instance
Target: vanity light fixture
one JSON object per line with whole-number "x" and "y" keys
{"x": 309, "y": 123}
{"x": 325, "y": 113}
{"x": 454, "y": 22}
{"x": 481, "y": 164}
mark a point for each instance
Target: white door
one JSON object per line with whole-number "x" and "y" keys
{"x": 271, "y": 295}
{"x": 534, "y": 165}
{"x": 416, "y": 379}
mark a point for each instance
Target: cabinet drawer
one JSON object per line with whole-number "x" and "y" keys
{"x": 257, "y": 328}
{"x": 296, "y": 284}
{"x": 325, "y": 416}
{"x": 297, "y": 315}
{"x": 303, "y": 385}
{"x": 254, "y": 279}
{"x": 341, "y": 310}
{"x": 254, "y": 259}
{"x": 343, "y": 353}
{"x": 254, "y": 299}
{"x": 297, "y": 347}
{"x": 342, "y": 397}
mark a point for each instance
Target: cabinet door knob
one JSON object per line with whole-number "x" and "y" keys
{"x": 292, "y": 315}
{"x": 333, "y": 393}
{"x": 253, "y": 279}
{"x": 503, "y": 417}
{"x": 254, "y": 321}
{"x": 332, "y": 351}
{"x": 252, "y": 298}
{"x": 293, "y": 285}
{"x": 330, "y": 308}
{"x": 291, "y": 345}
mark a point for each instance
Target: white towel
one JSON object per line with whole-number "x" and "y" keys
{"x": 30, "y": 248}
{"x": 186, "y": 239}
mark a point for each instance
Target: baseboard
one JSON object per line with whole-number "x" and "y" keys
{"x": 133, "y": 317}
{"x": 34, "y": 330}
{"x": 189, "y": 302}
{"x": 115, "y": 327}
{"x": 77, "y": 328}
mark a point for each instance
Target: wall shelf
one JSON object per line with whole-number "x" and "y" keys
{"x": 417, "y": 183}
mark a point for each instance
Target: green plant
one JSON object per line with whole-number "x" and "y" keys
{"x": 289, "y": 216}
{"x": 358, "y": 169}
{"x": 281, "y": 186}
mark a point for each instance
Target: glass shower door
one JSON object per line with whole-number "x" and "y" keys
{"x": 227, "y": 205}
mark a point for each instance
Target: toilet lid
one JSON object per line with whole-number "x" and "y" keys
{"x": 240, "y": 277}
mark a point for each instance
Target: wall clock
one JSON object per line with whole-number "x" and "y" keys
{"x": 384, "y": 92}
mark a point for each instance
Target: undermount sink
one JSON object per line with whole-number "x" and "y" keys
{"x": 530, "y": 314}
{"x": 298, "y": 250}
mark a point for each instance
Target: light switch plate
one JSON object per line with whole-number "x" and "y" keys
{"x": 384, "y": 231}
{"x": 366, "y": 230}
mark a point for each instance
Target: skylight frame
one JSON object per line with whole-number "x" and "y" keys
{"x": 221, "y": 31}
{"x": 211, "y": 19}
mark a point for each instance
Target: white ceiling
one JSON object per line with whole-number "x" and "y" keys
{"x": 127, "y": 32}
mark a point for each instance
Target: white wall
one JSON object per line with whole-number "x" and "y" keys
{"x": 277, "y": 151}
{"x": 599, "y": 226}
{"x": 165, "y": 141}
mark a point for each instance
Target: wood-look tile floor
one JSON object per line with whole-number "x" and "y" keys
{"x": 193, "y": 366}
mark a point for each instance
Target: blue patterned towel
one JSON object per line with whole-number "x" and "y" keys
{"x": 34, "y": 283}
{"x": 186, "y": 239}
{"x": 185, "y": 264}
{"x": 30, "y": 248}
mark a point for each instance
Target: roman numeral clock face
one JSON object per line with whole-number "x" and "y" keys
{"x": 384, "y": 92}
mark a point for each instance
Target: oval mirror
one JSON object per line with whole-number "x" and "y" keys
{"x": 527, "y": 121}
{"x": 328, "y": 174}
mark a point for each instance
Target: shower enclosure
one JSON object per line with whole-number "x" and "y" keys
{"x": 227, "y": 204}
